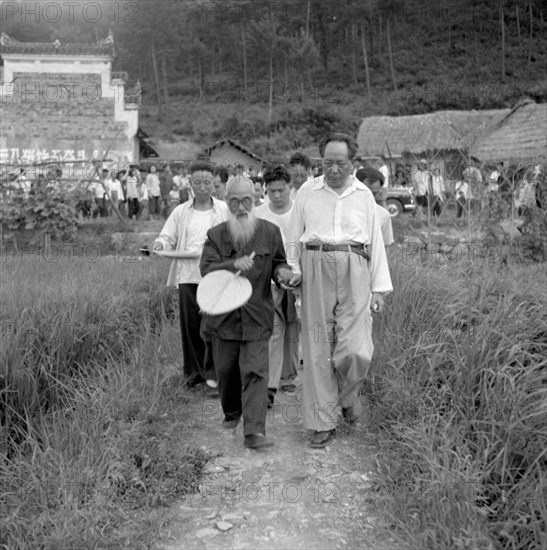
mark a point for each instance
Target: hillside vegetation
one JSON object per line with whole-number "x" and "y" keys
{"x": 275, "y": 74}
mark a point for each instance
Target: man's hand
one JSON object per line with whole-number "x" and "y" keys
{"x": 245, "y": 263}
{"x": 157, "y": 246}
{"x": 377, "y": 303}
{"x": 287, "y": 278}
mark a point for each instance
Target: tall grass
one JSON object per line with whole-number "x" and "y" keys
{"x": 459, "y": 401}
{"x": 84, "y": 391}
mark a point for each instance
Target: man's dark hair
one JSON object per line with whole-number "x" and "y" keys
{"x": 202, "y": 166}
{"x": 223, "y": 173}
{"x": 257, "y": 179}
{"x": 300, "y": 158}
{"x": 276, "y": 172}
{"x": 339, "y": 136}
{"x": 369, "y": 173}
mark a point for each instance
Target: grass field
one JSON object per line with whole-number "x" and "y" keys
{"x": 93, "y": 423}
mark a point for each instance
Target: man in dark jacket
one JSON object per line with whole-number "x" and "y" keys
{"x": 240, "y": 338}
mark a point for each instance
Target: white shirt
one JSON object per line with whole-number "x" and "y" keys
{"x": 384, "y": 170}
{"x": 153, "y": 184}
{"x": 385, "y": 224}
{"x": 420, "y": 180}
{"x": 114, "y": 186}
{"x": 98, "y": 189}
{"x": 320, "y": 214}
{"x": 175, "y": 235}
{"x": 281, "y": 220}
{"x": 199, "y": 223}
{"x": 131, "y": 183}
{"x": 437, "y": 184}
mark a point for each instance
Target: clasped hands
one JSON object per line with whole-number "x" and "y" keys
{"x": 285, "y": 277}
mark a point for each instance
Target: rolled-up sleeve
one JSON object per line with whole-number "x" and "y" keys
{"x": 380, "y": 279}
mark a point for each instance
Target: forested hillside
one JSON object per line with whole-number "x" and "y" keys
{"x": 275, "y": 73}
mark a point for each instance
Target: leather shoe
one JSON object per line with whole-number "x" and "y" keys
{"x": 349, "y": 415}
{"x": 320, "y": 439}
{"x": 257, "y": 441}
{"x": 230, "y": 424}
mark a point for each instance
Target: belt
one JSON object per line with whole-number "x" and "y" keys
{"x": 324, "y": 247}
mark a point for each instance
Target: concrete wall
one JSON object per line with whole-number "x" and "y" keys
{"x": 64, "y": 109}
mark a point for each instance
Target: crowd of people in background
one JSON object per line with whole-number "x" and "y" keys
{"x": 153, "y": 195}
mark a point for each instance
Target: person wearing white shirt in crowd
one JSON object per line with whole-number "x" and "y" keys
{"x": 300, "y": 171}
{"x": 283, "y": 345}
{"x": 177, "y": 179}
{"x": 373, "y": 180}
{"x": 419, "y": 177}
{"x": 436, "y": 190}
{"x": 344, "y": 273}
{"x": 114, "y": 192}
{"x": 98, "y": 187}
{"x": 384, "y": 170}
{"x": 185, "y": 231}
{"x": 154, "y": 193}
{"x": 143, "y": 201}
{"x": 258, "y": 185}
{"x": 132, "y": 181}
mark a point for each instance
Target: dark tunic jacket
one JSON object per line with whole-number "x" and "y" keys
{"x": 253, "y": 321}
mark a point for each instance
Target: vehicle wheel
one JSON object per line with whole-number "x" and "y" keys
{"x": 394, "y": 207}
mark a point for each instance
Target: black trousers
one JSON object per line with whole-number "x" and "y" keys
{"x": 198, "y": 356}
{"x": 242, "y": 369}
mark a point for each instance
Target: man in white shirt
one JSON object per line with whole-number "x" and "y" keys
{"x": 154, "y": 193}
{"x": 283, "y": 345}
{"x": 114, "y": 192}
{"x": 185, "y": 231}
{"x": 344, "y": 275}
{"x": 132, "y": 181}
{"x": 384, "y": 170}
{"x": 373, "y": 180}
{"x": 419, "y": 177}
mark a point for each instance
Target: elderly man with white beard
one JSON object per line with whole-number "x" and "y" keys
{"x": 240, "y": 338}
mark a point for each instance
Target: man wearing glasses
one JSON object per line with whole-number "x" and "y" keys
{"x": 335, "y": 226}
{"x": 185, "y": 230}
{"x": 240, "y": 338}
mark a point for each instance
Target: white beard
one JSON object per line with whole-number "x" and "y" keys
{"x": 242, "y": 229}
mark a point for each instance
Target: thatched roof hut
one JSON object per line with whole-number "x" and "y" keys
{"x": 521, "y": 136}
{"x": 423, "y": 134}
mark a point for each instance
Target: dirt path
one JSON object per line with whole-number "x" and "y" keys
{"x": 288, "y": 496}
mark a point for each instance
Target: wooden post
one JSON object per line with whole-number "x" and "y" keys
{"x": 157, "y": 79}
{"x": 165, "y": 88}
{"x": 47, "y": 243}
{"x": 390, "y": 56}
{"x": 270, "y": 100}
{"x": 530, "y": 35}
{"x": 502, "y": 45}
{"x": 354, "y": 55}
{"x": 365, "y": 57}
{"x": 518, "y": 27}
{"x": 244, "y": 46}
